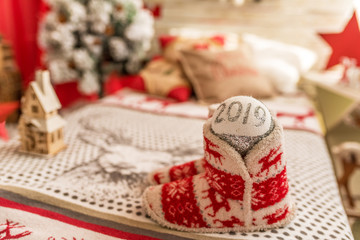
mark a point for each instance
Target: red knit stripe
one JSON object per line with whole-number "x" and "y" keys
{"x": 179, "y": 204}
{"x": 72, "y": 221}
{"x": 226, "y": 184}
{"x": 157, "y": 177}
{"x": 182, "y": 171}
{"x": 270, "y": 191}
{"x": 280, "y": 214}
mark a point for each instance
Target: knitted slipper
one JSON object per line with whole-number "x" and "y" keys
{"x": 244, "y": 186}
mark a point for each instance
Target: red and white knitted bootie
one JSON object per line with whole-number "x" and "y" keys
{"x": 244, "y": 185}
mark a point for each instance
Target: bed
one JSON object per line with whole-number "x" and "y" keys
{"x": 92, "y": 189}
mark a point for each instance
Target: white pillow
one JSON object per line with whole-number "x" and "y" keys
{"x": 282, "y": 63}
{"x": 282, "y": 75}
{"x": 301, "y": 58}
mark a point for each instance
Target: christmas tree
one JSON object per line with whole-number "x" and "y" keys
{"x": 84, "y": 40}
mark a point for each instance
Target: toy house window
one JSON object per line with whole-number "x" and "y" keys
{"x": 41, "y": 137}
{"x": 52, "y": 137}
{"x": 34, "y": 109}
{"x": 33, "y": 96}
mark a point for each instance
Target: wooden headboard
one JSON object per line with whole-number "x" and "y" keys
{"x": 296, "y": 21}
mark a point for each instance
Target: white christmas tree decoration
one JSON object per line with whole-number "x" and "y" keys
{"x": 82, "y": 59}
{"x": 88, "y": 83}
{"x": 86, "y": 39}
{"x": 118, "y": 48}
{"x": 61, "y": 72}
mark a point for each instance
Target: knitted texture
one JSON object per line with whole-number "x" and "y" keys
{"x": 177, "y": 172}
{"x": 224, "y": 191}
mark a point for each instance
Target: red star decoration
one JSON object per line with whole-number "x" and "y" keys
{"x": 344, "y": 44}
{"x": 3, "y": 133}
{"x": 7, "y": 108}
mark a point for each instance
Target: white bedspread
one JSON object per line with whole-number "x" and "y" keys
{"x": 110, "y": 149}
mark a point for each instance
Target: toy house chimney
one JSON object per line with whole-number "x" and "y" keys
{"x": 40, "y": 78}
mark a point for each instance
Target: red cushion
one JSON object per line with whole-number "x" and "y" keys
{"x": 181, "y": 94}
{"x": 7, "y": 108}
{"x": 68, "y": 93}
{"x": 165, "y": 40}
{"x": 136, "y": 82}
{"x": 219, "y": 39}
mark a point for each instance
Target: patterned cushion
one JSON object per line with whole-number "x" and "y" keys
{"x": 219, "y": 75}
{"x": 172, "y": 45}
{"x": 164, "y": 78}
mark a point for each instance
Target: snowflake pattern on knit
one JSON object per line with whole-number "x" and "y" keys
{"x": 270, "y": 191}
{"x": 179, "y": 204}
{"x": 177, "y": 172}
{"x": 182, "y": 171}
{"x": 228, "y": 185}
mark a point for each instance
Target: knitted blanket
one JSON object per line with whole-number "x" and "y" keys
{"x": 92, "y": 189}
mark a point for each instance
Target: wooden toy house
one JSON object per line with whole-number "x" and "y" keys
{"x": 40, "y": 125}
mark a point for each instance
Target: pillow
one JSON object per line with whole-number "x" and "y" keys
{"x": 164, "y": 78}
{"x": 301, "y": 58}
{"x": 172, "y": 45}
{"x": 280, "y": 62}
{"x": 283, "y": 76}
{"x": 217, "y": 76}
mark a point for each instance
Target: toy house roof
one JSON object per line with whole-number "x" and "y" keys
{"x": 45, "y": 92}
{"x": 47, "y": 125}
